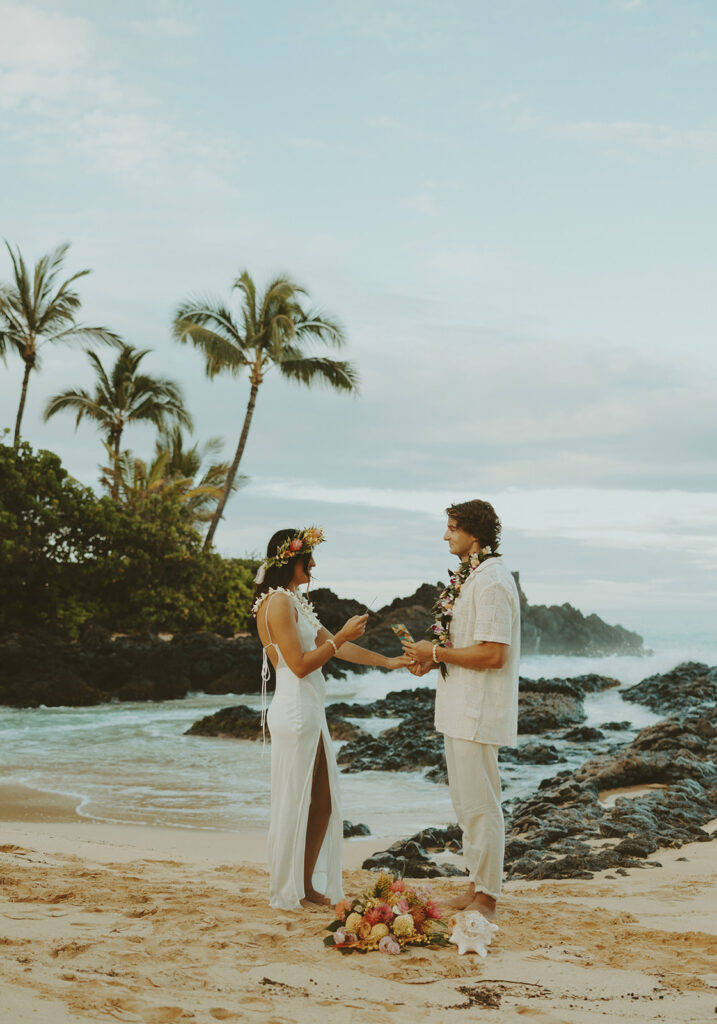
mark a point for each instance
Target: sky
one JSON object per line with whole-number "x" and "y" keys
{"x": 509, "y": 207}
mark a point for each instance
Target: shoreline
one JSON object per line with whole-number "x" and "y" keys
{"x": 51, "y": 821}
{"x": 102, "y": 923}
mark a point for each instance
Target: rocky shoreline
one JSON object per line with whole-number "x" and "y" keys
{"x": 567, "y": 829}
{"x": 42, "y": 669}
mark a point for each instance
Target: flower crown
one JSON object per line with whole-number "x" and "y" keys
{"x": 301, "y": 543}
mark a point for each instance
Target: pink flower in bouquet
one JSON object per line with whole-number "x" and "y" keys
{"x": 342, "y": 909}
{"x": 295, "y": 545}
{"x": 389, "y": 945}
{"x": 401, "y": 907}
{"x": 373, "y": 916}
{"x": 398, "y": 886}
{"x": 433, "y": 909}
{"x": 339, "y": 937}
{"x": 385, "y": 912}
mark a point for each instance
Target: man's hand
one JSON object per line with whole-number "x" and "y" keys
{"x": 420, "y": 670}
{"x": 420, "y": 651}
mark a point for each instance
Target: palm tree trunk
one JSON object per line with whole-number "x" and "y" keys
{"x": 232, "y": 469}
{"x": 21, "y": 409}
{"x": 116, "y": 466}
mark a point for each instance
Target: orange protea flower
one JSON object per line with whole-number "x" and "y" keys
{"x": 342, "y": 909}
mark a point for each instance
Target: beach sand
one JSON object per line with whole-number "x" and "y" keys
{"x": 112, "y": 923}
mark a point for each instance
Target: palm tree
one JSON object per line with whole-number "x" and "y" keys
{"x": 273, "y": 332}
{"x": 34, "y": 312}
{"x": 123, "y": 397}
{"x": 171, "y": 475}
{"x": 184, "y": 465}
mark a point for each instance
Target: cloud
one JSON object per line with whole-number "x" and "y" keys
{"x": 642, "y": 135}
{"x": 122, "y": 143}
{"x": 166, "y": 26}
{"x": 44, "y": 55}
{"x": 635, "y": 520}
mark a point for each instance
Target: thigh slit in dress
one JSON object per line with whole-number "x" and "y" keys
{"x": 297, "y": 723}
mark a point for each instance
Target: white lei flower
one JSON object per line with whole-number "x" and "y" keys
{"x": 302, "y": 603}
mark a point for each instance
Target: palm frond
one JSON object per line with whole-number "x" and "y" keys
{"x": 342, "y": 376}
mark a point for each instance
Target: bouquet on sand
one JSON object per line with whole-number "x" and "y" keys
{"x": 388, "y": 917}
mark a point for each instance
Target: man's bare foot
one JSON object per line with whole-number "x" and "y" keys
{"x": 484, "y": 904}
{"x": 314, "y": 898}
{"x": 461, "y": 902}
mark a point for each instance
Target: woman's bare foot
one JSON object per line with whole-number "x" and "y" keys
{"x": 461, "y": 902}
{"x": 314, "y": 898}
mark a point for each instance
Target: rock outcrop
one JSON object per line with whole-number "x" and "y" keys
{"x": 39, "y": 668}
{"x": 565, "y": 829}
{"x": 689, "y": 686}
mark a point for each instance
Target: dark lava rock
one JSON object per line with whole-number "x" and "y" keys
{"x": 562, "y": 629}
{"x": 555, "y": 630}
{"x": 407, "y": 747}
{"x": 691, "y": 685}
{"x": 616, "y": 726}
{"x": 355, "y": 830}
{"x": 583, "y": 734}
{"x": 547, "y": 705}
{"x": 241, "y": 723}
{"x": 40, "y": 669}
{"x": 548, "y": 833}
{"x": 548, "y": 712}
{"x": 531, "y": 753}
{"x": 408, "y": 858}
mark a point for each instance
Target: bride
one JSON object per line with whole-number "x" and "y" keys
{"x": 306, "y": 829}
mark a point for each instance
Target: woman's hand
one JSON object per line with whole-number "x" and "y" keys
{"x": 351, "y": 630}
{"x": 402, "y": 661}
{"x": 420, "y": 651}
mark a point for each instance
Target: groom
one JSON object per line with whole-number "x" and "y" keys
{"x": 476, "y": 648}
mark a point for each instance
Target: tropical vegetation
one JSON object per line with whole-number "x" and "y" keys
{"x": 139, "y": 557}
{"x": 69, "y": 559}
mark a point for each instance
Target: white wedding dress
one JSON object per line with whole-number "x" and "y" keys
{"x": 297, "y": 723}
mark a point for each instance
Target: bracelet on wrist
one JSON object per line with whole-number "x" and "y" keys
{"x": 435, "y": 654}
{"x": 330, "y": 641}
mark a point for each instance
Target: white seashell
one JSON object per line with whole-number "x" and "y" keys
{"x": 472, "y": 932}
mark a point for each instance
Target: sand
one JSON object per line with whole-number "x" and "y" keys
{"x": 112, "y": 923}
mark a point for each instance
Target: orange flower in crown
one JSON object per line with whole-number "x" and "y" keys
{"x": 302, "y": 543}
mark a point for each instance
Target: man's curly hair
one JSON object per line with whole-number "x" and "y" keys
{"x": 478, "y": 518}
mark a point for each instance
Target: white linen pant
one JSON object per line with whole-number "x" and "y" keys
{"x": 475, "y": 791}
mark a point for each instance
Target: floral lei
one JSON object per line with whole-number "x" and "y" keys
{"x": 442, "y": 610}
{"x": 304, "y": 605}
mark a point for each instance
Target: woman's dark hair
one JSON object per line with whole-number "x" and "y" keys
{"x": 279, "y": 575}
{"x": 479, "y": 519}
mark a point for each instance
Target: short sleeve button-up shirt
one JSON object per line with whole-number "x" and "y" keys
{"x": 482, "y": 705}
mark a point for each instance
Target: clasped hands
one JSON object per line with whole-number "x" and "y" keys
{"x": 421, "y": 654}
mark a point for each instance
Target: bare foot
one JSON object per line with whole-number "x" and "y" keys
{"x": 485, "y": 905}
{"x": 314, "y": 898}
{"x": 461, "y": 902}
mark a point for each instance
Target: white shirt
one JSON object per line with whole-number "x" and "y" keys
{"x": 482, "y": 705}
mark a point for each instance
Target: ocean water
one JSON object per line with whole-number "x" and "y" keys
{"x": 132, "y": 763}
